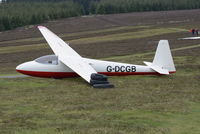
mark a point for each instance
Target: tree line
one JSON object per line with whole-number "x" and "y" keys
{"x": 16, "y": 13}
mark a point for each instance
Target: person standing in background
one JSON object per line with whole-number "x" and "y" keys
{"x": 197, "y": 32}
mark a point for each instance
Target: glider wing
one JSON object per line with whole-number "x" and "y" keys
{"x": 67, "y": 55}
{"x": 190, "y": 38}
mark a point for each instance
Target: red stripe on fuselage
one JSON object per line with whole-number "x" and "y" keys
{"x": 73, "y": 74}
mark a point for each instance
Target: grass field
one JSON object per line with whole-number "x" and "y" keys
{"x": 137, "y": 105}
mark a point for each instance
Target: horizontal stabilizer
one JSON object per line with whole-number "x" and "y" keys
{"x": 157, "y": 68}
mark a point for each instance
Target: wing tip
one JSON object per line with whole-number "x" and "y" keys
{"x": 41, "y": 27}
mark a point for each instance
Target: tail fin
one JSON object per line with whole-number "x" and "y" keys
{"x": 163, "y": 62}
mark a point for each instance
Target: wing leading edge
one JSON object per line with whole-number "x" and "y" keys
{"x": 67, "y": 55}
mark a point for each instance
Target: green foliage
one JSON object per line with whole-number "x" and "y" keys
{"x": 123, "y": 6}
{"x": 16, "y": 13}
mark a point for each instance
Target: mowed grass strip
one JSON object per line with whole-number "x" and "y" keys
{"x": 77, "y": 34}
{"x": 126, "y": 36}
{"x": 106, "y": 31}
{"x": 98, "y": 39}
{"x": 148, "y": 53}
{"x": 12, "y": 49}
{"x": 22, "y": 40}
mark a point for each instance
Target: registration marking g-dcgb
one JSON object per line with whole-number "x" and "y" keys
{"x": 121, "y": 68}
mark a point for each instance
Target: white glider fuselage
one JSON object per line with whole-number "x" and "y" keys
{"x": 53, "y": 68}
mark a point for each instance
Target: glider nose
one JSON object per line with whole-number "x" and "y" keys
{"x": 24, "y": 67}
{"x": 20, "y": 67}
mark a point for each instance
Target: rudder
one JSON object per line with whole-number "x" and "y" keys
{"x": 163, "y": 57}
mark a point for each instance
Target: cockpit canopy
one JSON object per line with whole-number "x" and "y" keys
{"x": 48, "y": 59}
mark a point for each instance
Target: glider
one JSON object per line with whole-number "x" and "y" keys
{"x": 190, "y": 38}
{"x": 68, "y": 63}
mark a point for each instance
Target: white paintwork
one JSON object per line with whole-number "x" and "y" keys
{"x": 163, "y": 57}
{"x": 101, "y": 66}
{"x": 98, "y": 65}
{"x": 79, "y": 66}
{"x": 57, "y": 44}
{"x": 67, "y": 55}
